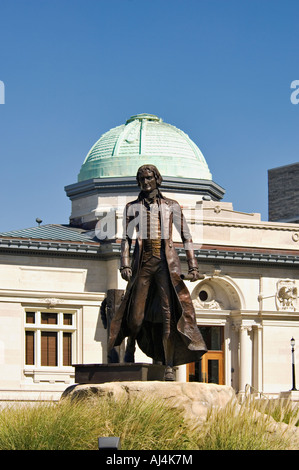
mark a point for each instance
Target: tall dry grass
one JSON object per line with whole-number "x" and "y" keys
{"x": 141, "y": 424}
{"x": 247, "y": 426}
{"x": 71, "y": 425}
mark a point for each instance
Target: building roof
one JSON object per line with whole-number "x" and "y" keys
{"x": 64, "y": 240}
{"x": 52, "y": 238}
{"x": 144, "y": 139}
{"x": 52, "y": 232}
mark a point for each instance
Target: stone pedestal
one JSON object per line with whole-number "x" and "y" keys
{"x": 292, "y": 395}
{"x": 101, "y": 373}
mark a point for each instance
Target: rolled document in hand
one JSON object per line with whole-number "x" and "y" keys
{"x": 187, "y": 277}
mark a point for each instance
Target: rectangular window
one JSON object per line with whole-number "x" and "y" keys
{"x": 30, "y": 317}
{"x": 213, "y": 337}
{"x": 29, "y": 345}
{"x": 49, "y": 318}
{"x": 67, "y": 319}
{"x": 48, "y": 348}
{"x": 49, "y": 338}
{"x": 67, "y": 349}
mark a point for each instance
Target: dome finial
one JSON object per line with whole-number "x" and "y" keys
{"x": 144, "y": 116}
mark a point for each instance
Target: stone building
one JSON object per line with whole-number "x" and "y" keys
{"x": 54, "y": 278}
{"x": 283, "y": 193}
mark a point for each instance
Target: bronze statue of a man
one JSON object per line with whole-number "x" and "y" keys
{"x": 157, "y": 310}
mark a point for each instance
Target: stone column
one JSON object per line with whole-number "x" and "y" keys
{"x": 181, "y": 373}
{"x": 227, "y": 355}
{"x": 245, "y": 364}
{"x": 258, "y": 358}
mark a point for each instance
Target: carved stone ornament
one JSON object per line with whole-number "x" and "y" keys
{"x": 53, "y": 302}
{"x": 286, "y": 295}
{"x": 206, "y": 299}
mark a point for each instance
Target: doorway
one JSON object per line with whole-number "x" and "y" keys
{"x": 210, "y": 369}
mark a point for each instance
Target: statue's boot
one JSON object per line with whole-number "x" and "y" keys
{"x": 169, "y": 375}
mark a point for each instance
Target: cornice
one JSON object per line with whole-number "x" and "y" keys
{"x": 51, "y": 298}
{"x": 128, "y": 185}
{"x": 110, "y": 250}
{"x": 245, "y": 257}
{"x": 41, "y": 247}
{"x": 252, "y": 225}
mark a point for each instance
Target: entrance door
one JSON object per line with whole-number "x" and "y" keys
{"x": 210, "y": 369}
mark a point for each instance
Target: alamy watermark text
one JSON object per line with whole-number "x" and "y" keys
{"x": 2, "y": 92}
{"x": 295, "y": 94}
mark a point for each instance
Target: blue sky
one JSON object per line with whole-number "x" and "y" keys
{"x": 219, "y": 70}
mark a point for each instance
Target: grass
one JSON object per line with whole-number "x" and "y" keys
{"x": 282, "y": 410}
{"x": 69, "y": 425}
{"x": 248, "y": 427}
{"x": 142, "y": 424}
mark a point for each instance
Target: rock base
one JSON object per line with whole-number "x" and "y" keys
{"x": 193, "y": 397}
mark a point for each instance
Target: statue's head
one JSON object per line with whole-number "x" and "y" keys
{"x": 147, "y": 171}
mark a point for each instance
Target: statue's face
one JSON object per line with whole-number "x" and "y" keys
{"x": 147, "y": 181}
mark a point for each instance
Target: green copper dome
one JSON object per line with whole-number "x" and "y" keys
{"x": 144, "y": 138}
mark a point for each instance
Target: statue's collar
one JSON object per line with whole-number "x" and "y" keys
{"x": 150, "y": 197}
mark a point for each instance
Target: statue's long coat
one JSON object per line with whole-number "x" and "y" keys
{"x": 189, "y": 344}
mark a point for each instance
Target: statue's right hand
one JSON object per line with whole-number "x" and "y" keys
{"x": 126, "y": 274}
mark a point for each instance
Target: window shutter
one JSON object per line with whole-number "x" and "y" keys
{"x": 48, "y": 348}
{"x": 67, "y": 349}
{"x": 29, "y": 348}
